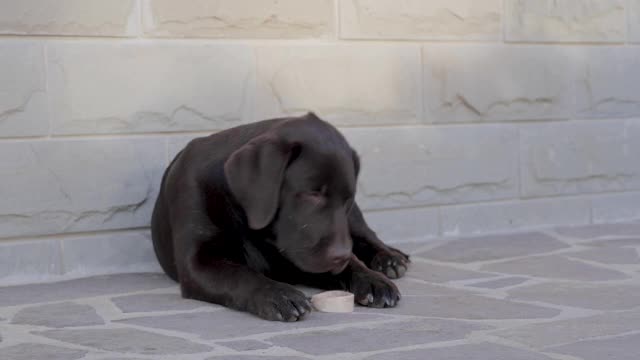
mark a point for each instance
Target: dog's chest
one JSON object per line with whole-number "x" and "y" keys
{"x": 265, "y": 258}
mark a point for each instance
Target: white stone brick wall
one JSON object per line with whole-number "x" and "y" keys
{"x": 471, "y": 116}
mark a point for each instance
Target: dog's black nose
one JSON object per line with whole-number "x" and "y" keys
{"x": 339, "y": 257}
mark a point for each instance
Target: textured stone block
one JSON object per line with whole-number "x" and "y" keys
{"x": 344, "y": 84}
{"x": 634, "y": 21}
{"x": 496, "y": 83}
{"x": 239, "y": 18}
{"x": 418, "y": 19}
{"x": 439, "y": 165}
{"x": 604, "y": 90}
{"x": 565, "y": 20}
{"x": 112, "y": 253}
{"x": 69, "y": 17}
{"x": 90, "y": 185}
{"x": 579, "y": 157}
{"x": 616, "y": 208}
{"x": 393, "y": 226}
{"x": 490, "y": 218}
{"x": 23, "y": 104}
{"x": 125, "y": 87}
{"x": 29, "y": 261}
{"x": 178, "y": 142}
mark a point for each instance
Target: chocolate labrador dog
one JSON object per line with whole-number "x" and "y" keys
{"x": 246, "y": 212}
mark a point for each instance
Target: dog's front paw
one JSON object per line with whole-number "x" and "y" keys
{"x": 374, "y": 290}
{"x": 391, "y": 262}
{"x": 279, "y": 302}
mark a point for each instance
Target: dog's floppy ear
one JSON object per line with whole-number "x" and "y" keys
{"x": 356, "y": 162}
{"x": 255, "y": 173}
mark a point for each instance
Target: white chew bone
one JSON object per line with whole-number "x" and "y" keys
{"x": 333, "y": 301}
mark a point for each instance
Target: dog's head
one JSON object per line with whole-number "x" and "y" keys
{"x": 299, "y": 179}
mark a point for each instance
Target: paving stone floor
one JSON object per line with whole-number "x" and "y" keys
{"x": 566, "y": 294}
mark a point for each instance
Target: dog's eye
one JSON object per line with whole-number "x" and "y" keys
{"x": 315, "y": 197}
{"x": 320, "y": 192}
{"x": 316, "y": 194}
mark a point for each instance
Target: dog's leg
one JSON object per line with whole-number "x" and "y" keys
{"x": 206, "y": 274}
{"x": 372, "y": 251}
{"x": 369, "y": 287}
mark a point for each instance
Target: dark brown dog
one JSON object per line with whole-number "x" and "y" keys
{"x": 243, "y": 213}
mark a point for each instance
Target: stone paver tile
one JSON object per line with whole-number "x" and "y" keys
{"x": 483, "y": 351}
{"x": 230, "y": 323}
{"x": 441, "y": 274}
{"x": 379, "y": 337}
{"x": 255, "y": 357}
{"x": 572, "y": 330}
{"x": 245, "y": 345}
{"x": 469, "y": 307}
{"x": 618, "y": 348}
{"x": 156, "y": 302}
{"x": 126, "y": 341}
{"x": 499, "y": 283}
{"x": 409, "y": 247}
{"x": 60, "y": 315}
{"x": 614, "y": 242}
{"x": 589, "y": 296}
{"x": 31, "y": 351}
{"x": 82, "y": 288}
{"x": 602, "y": 230}
{"x": 555, "y": 267}
{"x": 608, "y": 255}
{"x": 411, "y": 287}
{"x": 493, "y": 247}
